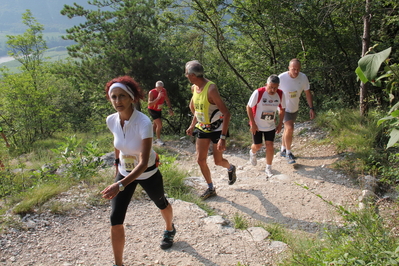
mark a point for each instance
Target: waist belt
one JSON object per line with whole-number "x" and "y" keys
{"x": 152, "y": 167}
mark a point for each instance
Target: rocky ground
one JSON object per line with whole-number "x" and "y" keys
{"x": 83, "y": 238}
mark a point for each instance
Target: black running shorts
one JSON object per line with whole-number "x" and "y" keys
{"x": 153, "y": 186}
{"x": 155, "y": 114}
{"x": 268, "y": 135}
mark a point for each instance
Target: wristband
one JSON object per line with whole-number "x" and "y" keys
{"x": 116, "y": 162}
{"x": 311, "y": 108}
{"x": 222, "y": 136}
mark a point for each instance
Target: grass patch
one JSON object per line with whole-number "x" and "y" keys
{"x": 351, "y": 132}
{"x": 38, "y": 196}
{"x": 30, "y": 190}
{"x": 174, "y": 183}
{"x": 362, "y": 142}
{"x": 277, "y": 232}
{"x": 363, "y": 239}
{"x": 240, "y": 222}
{"x": 10, "y": 221}
{"x": 61, "y": 208}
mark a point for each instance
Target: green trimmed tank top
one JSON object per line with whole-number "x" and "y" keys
{"x": 209, "y": 118}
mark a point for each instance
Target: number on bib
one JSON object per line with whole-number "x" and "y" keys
{"x": 130, "y": 162}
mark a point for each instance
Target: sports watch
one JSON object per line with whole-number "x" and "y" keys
{"x": 121, "y": 187}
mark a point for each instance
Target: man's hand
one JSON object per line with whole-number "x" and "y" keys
{"x": 312, "y": 114}
{"x": 190, "y": 131}
{"x": 279, "y": 127}
{"x": 253, "y": 128}
{"x": 221, "y": 145}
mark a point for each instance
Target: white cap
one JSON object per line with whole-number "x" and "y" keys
{"x": 159, "y": 84}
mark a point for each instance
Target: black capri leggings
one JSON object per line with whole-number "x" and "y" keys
{"x": 153, "y": 186}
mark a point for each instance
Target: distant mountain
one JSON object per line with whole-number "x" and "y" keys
{"x": 46, "y": 12}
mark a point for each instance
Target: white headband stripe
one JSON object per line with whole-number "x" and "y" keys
{"x": 123, "y": 87}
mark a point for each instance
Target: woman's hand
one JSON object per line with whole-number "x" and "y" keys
{"x": 111, "y": 191}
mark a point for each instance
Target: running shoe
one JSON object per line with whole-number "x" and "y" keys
{"x": 232, "y": 175}
{"x": 291, "y": 158}
{"x": 168, "y": 236}
{"x": 283, "y": 153}
{"x": 252, "y": 158}
{"x": 208, "y": 193}
{"x": 160, "y": 142}
{"x": 268, "y": 172}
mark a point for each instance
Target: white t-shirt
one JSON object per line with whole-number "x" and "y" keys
{"x": 292, "y": 88}
{"x": 128, "y": 141}
{"x": 266, "y": 109}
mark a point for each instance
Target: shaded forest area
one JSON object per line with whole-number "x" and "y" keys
{"x": 240, "y": 43}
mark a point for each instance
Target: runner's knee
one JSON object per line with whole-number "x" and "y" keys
{"x": 162, "y": 203}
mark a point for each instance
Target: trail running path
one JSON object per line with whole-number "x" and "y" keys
{"x": 83, "y": 238}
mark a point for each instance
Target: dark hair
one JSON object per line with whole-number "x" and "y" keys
{"x": 128, "y": 81}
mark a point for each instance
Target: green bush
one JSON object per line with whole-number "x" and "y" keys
{"x": 362, "y": 240}
{"x": 363, "y": 143}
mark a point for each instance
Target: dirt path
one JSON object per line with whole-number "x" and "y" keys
{"x": 83, "y": 239}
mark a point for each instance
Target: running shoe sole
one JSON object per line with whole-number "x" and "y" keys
{"x": 208, "y": 193}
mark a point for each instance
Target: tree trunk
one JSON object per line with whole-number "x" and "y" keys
{"x": 365, "y": 47}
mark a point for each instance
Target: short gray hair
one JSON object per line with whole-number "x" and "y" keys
{"x": 273, "y": 79}
{"x": 159, "y": 84}
{"x": 195, "y": 67}
{"x": 295, "y": 60}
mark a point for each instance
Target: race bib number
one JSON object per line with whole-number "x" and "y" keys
{"x": 159, "y": 106}
{"x": 293, "y": 94}
{"x": 267, "y": 116}
{"x": 130, "y": 162}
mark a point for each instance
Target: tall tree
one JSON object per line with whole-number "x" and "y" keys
{"x": 323, "y": 34}
{"x": 33, "y": 101}
{"x": 365, "y": 48}
{"x": 209, "y": 18}
{"x": 28, "y": 48}
{"x": 124, "y": 38}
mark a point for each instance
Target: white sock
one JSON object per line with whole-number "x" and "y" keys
{"x": 269, "y": 166}
{"x": 282, "y": 148}
{"x": 288, "y": 151}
